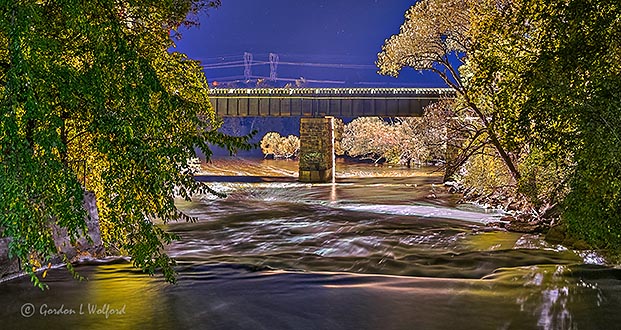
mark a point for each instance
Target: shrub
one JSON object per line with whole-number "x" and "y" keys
{"x": 401, "y": 140}
{"x": 485, "y": 173}
{"x": 367, "y": 138}
{"x": 280, "y": 147}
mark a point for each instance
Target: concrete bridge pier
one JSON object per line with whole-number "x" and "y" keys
{"x": 316, "y": 150}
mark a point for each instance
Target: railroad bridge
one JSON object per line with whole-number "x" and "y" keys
{"x": 317, "y": 108}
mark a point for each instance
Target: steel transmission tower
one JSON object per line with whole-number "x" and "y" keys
{"x": 273, "y": 66}
{"x": 247, "y": 65}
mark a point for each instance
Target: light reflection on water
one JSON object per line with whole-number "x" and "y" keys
{"x": 365, "y": 253}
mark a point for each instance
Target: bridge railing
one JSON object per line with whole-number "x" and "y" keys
{"x": 296, "y": 92}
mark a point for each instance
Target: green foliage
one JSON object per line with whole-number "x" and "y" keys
{"x": 485, "y": 174}
{"x": 574, "y": 98}
{"x": 439, "y": 36}
{"x": 312, "y": 158}
{"x": 94, "y": 83}
{"x": 543, "y": 79}
{"x": 552, "y": 72}
{"x": 544, "y": 182}
{"x": 593, "y": 207}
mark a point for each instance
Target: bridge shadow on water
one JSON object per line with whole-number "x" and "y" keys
{"x": 244, "y": 178}
{"x": 292, "y": 179}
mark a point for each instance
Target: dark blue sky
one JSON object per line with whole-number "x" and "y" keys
{"x": 329, "y": 43}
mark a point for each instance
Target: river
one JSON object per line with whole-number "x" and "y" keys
{"x": 382, "y": 248}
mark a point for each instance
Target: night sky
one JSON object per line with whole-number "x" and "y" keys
{"x": 329, "y": 43}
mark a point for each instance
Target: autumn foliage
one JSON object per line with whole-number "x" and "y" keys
{"x": 538, "y": 90}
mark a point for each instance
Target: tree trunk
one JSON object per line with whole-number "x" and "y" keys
{"x": 494, "y": 139}
{"x": 504, "y": 155}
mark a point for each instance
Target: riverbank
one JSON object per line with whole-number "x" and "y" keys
{"x": 88, "y": 246}
{"x": 520, "y": 215}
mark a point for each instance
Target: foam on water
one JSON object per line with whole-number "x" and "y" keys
{"x": 426, "y": 211}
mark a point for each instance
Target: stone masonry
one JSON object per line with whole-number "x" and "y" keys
{"x": 316, "y": 150}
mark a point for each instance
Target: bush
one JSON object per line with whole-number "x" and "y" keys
{"x": 280, "y": 147}
{"x": 367, "y": 138}
{"x": 593, "y": 207}
{"x": 543, "y": 182}
{"x": 485, "y": 174}
{"x": 400, "y": 141}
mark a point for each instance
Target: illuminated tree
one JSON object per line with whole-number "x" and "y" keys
{"x": 269, "y": 143}
{"x": 367, "y": 138}
{"x": 436, "y": 36}
{"x": 543, "y": 80}
{"x": 279, "y": 146}
{"x": 93, "y": 85}
{"x": 400, "y": 141}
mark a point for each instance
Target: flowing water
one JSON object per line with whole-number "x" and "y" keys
{"x": 382, "y": 248}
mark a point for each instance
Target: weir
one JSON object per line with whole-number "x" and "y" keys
{"x": 318, "y": 107}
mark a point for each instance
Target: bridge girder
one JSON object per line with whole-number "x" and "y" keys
{"x": 318, "y": 102}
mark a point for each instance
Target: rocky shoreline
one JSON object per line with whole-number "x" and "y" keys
{"x": 85, "y": 247}
{"x": 520, "y": 215}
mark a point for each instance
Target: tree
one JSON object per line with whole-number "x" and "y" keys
{"x": 552, "y": 72}
{"x": 94, "y": 83}
{"x": 401, "y": 140}
{"x": 575, "y": 85}
{"x": 269, "y": 143}
{"x": 546, "y": 77}
{"x": 436, "y": 36}
{"x": 507, "y": 41}
{"x": 368, "y": 138}
{"x": 425, "y": 139}
{"x": 290, "y": 147}
{"x": 280, "y": 146}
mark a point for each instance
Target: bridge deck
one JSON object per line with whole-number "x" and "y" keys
{"x": 315, "y": 102}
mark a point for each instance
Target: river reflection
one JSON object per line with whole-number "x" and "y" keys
{"x": 383, "y": 248}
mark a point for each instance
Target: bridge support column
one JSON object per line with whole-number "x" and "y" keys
{"x": 316, "y": 150}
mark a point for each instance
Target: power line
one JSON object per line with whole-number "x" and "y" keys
{"x": 228, "y": 79}
{"x": 274, "y": 61}
{"x": 331, "y": 65}
{"x": 236, "y": 64}
{"x": 225, "y": 78}
{"x": 306, "y": 80}
{"x": 215, "y": 65}
{"x": 239, "y": 79}
{"x": 220, "y": 58}
{"x": 227, "y": 66}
